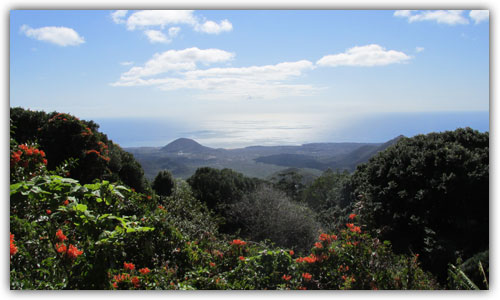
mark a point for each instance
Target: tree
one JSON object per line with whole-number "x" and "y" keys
{"x": 268, "y": 213}
{"x": 429, "y": 194}
{"x": 163, "y": 183}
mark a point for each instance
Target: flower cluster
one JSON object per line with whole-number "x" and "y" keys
{"x": 26, "y": 155}
{"x": 353, "y": 228}
{"x": 70, "y": 251}
{"x": 238, "y": 243}
{"x": 128, "y": 266}
{"x": 13, "y": 247}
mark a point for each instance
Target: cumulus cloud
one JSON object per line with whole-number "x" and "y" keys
{"x": 61, "y": 36}
{"x": 183, "y": 69}
{"x": 173, "y": 31}
{"x": 156, "y": 36}
{"x": 176, "y": 60}
{"x": 118, "y": 16}
{"x": 214, "y": 28}
{"x": 161, "y": 18}
{"x": 154, "y": 21}
{"x": 479, "y": 15}
{"x": 364, "y": 56}
{"x": 449, "y": 17}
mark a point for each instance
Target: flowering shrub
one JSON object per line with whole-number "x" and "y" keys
{"x": 26, "y": 162}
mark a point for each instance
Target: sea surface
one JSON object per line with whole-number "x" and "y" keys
{"x": 237, "y": 133}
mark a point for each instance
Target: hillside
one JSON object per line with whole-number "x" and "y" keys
{"x": 183, "y": 156}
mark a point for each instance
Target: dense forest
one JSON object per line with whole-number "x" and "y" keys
{"x": 84, "y": 216}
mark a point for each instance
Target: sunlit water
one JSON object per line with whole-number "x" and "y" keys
{"x": 266, "y": 129}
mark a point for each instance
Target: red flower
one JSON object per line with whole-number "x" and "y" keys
{"x": 292, "y": 252}
{"x": 44, "y": 161}
{"x": 128, "y": 266}
{"x": 135, "y": 281}
{"x": 61, "y": 248}
{"x": 115, "y": 285}
{"x": 73, "y": 252}
{"x": 66, "y": 202}
{"x": 302, "y": 288}
{"x": 212, "y": 264}
{"x": 350, "y": 225}
{"x": 60, "y": 235}
{"x": 318, "y": 245}
{"x": 29, "y": 151}
{"x": 287, "y": 277}
{"x": 144, "y": 271}
{"x": 242, "y": 258}
{"x": 149, "y": 197}
{"x": 48, "y": 211}
{"x": 352, "y": 216}
{"x": 306, "y": 276}
{"x": 42, "y": 153}
{"x": 13, "y": 247}
{"x": 311, "y": 259}
{"x": 238, "y": 242}
{"x": 356, "y": 229}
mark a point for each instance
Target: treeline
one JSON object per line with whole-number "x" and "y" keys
{"x": 414, "y": 217}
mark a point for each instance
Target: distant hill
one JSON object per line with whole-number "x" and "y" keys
{"x": 185, "y": 145}
{"x": 292, "y": 160}
{"x": 183, "y": 156}
{"x": 342, "y": 161}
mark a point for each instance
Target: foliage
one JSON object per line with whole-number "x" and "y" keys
{"x": 163, "y": 183}
{"x": 268, "y": 213}
{"x": 65, "y": 138}
{"x": 429, "y": 194}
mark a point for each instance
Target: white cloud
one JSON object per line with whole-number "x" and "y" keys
{"x": 156, "y": 36}
{"x": 62, "y": 36}
{"x": 148, "y": 18}
{"x": 364, "y": 56}
{"x": 152, "y": 20}
{"x": 177, "y": 60}
{"x": 173, "y": 31}
{"x": 181, "y": 69}
{"x": 449, "y": 17}
{"x": 118, "y": 16}
{"x": 127, "y": 63}
{"x": 419, "y": 49}
{"x": 479, "y": 15}
{"x": 402, "y": 13}
{"x": 214, "y": 28}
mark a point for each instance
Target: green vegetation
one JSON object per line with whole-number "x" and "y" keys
{"x": 413, "y": 217}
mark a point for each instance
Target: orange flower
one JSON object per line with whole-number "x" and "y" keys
{"x": 13, "y": 247}
{"x": 350, "y": 225}
{"x": 242, "y": 258}
{"x": 73, "y": 252}
{"x": 135, "y": 281}
{"x": 128, "y": 266}
{"x": 287, "y": 277}
{"x": 318, "y": 245}
{"x": 352, "y": 216}
{"x": 144, "y": 271}
{"x": 292, "y": 252}
{"x": 212, "y": 264}
{"x": 61, "y": 248}
{"x": 238, "y": 242}
{"x": 306, "y": 276}
{"x": 60, "y": 235}
{"x": 66, "y": 202}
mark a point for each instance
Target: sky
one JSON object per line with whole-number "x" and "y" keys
{"x": 235, "y": 78}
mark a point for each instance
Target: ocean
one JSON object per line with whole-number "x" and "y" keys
{"x": 238, "y": 132}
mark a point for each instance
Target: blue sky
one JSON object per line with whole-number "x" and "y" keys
{"x": 299, "y": 71}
